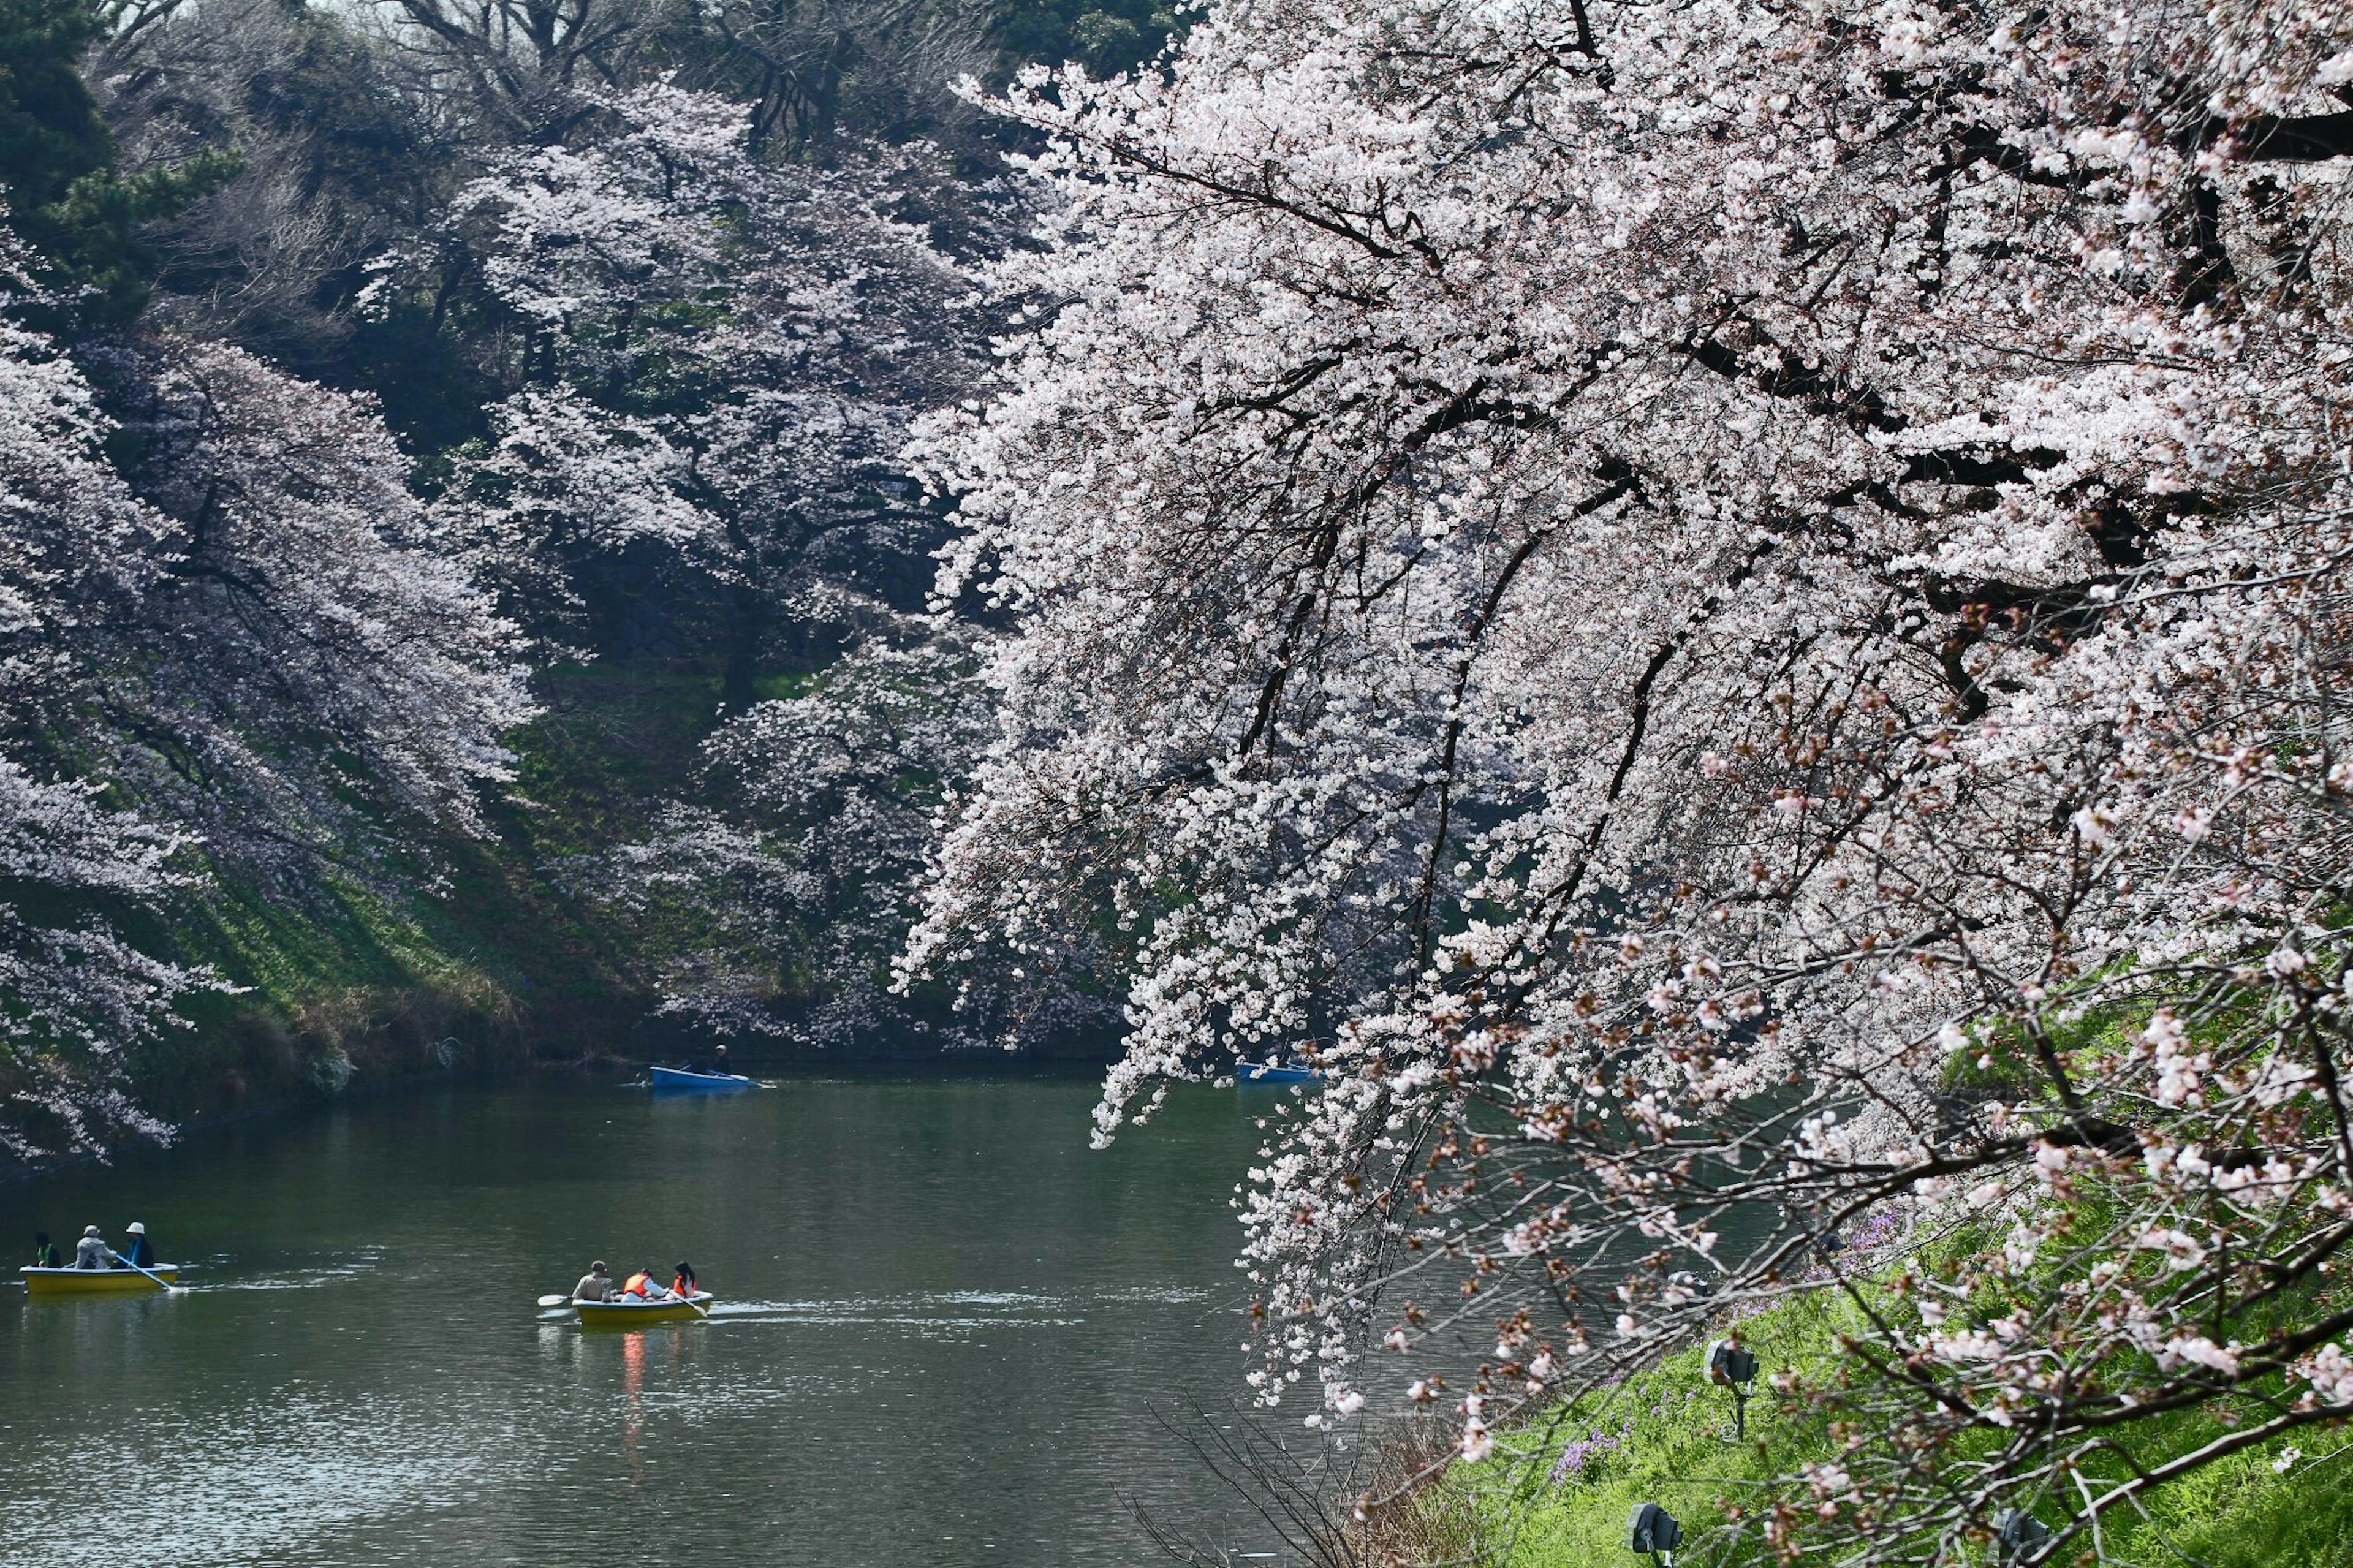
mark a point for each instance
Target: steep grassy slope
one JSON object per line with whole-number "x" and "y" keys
{"x": 1558, "y": 1492}
{"x": 471, "y": 953}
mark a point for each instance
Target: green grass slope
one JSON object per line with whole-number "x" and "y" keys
{"x": 467, "y": 954}
{"x": 1664, "y": 1436}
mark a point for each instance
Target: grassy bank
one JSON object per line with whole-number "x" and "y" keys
{"x": 1558, "y": 1489}
{"x": 469, "y": 955}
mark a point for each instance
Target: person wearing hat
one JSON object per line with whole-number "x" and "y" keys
{"x": 713, "y": 1060}
{"x": 45, "y": 1251}
{"x": 595, "y": 1285}
{"x": 90, "y": 1252}
{"x": 136, "y": 1252}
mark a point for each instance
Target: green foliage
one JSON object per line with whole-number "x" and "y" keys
{"x": 66, "y": 198}
{"x": 2241, "y": 1513}
{"x": 432, "y": 393}
{"x": 1104, "y": 36}
{"x": 617, "y": 735}
{"x": 50, "y": 132}
{"x": 617, "y": 739}
{"x": 460, "y": 953}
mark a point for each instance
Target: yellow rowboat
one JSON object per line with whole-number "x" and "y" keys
{"x": 96, "y": 1282}
{"x": 638, "y": 1314}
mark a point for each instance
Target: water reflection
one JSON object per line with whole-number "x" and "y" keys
{"x": 941, "y": 1322}
{"x": 633, "y": 1409}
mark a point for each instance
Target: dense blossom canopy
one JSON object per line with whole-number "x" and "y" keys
{"x": 1733, "y": 615}
{"x": 317, "y": 636}
{"x": 718, "y": 357}
{"x": 247, "y": 628}
{"x": 71, "y": 991}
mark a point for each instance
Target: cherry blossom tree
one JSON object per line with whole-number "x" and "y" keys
{"x": 1732, "y": 619}
{"x": 227, "y": 633}
{"x": 335, "y": 644}
{"x": 772, "y": 903}
{"x": 847, "y": 777}
{"x": 717, "y": 357}
{"x": 73, "y": 992}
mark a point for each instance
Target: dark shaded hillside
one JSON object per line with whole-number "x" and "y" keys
{"x": 480, "y": 958}
{"x": 462, "y": 599}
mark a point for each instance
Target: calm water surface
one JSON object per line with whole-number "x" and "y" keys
{"x": 944, "y": 1326}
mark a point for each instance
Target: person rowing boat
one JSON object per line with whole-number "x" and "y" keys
{"x": 642, "y": 1298}
{"x": 596, "y": 1285}
{"x": 97, "y": 1270}
{"x": 709, "y": 1064}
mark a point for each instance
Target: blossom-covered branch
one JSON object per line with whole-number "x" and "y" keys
{"x": 1735, "y": 620}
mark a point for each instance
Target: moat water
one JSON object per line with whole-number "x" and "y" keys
{"x": 947, "y": 1334}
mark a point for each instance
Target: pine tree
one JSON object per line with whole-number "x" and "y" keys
{"x": 65, "y": 196}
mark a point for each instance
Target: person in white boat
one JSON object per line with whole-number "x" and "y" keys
{"x": 92, "y": 1252}
{"x": 595, "y": 1285}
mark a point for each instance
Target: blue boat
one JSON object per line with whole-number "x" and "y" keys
{"x": 706, "y": 1082}
{"x": 1272, "y": 1073}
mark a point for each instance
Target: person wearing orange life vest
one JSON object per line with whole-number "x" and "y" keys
{"x": 683, "y": 1284}
{"x": 644, "y": 1287}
